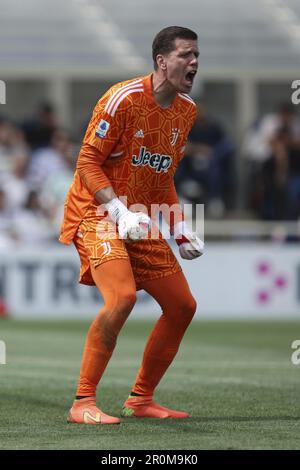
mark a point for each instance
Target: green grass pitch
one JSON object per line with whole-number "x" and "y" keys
{"x": 235, "y": 378}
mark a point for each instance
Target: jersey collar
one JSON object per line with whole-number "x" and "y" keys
{"x": 149, "y": 92}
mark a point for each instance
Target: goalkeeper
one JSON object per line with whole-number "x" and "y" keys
{"x": 131, "y": 149}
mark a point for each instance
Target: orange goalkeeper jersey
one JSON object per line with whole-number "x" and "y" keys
{"x": 131, "y": 144}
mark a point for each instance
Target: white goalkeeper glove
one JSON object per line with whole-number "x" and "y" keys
{"x": 190, "y": 246}
{"x": 132, "y": 225}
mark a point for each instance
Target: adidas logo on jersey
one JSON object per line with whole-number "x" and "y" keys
{"x": 153, "y": 160}
{"x": 140, "y": 134}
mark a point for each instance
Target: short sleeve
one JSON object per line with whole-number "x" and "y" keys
{"x": 106, "y": 127}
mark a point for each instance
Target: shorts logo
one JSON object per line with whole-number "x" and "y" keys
{"x": 153, "y": 160}
{"x": 106, "y": 248}
{"x": 102, "y": 128}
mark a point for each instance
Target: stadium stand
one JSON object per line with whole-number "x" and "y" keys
{"x": 69, "y": 56}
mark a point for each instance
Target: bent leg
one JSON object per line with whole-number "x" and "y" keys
{"x": 115, "y": 281}
{"x": 178, "y": 307}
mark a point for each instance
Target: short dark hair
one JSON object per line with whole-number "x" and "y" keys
{"x": 163, "y": 42}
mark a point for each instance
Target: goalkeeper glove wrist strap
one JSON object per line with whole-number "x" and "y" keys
{"x": 116, "y": 209}
{"x": 179, "y": 231}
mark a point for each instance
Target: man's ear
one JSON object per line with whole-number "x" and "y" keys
{"x": 160, "y": 60}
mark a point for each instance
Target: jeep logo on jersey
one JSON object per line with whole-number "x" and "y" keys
{"x": 154, "y": 160}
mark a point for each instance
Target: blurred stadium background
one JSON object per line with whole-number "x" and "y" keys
{"x": 56, "y": 60}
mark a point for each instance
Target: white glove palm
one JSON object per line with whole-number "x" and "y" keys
{"x": 190, "y": 246}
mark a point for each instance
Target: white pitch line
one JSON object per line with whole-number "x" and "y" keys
{"x": 15, "y": 361}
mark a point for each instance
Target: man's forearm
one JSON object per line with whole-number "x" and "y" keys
{"x": 105, "y": 195}
{"x": 89, "y": 167}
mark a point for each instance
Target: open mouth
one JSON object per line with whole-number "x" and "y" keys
{"x": 190, "y": 76}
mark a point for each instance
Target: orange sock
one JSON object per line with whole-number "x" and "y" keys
{"x": 178, "y": 306}
{"x": 116, "y": 283}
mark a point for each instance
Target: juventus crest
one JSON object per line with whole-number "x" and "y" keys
{"x": 174, "y": 136}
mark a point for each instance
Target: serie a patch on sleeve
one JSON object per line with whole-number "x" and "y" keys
{"x": 102, "y": 128}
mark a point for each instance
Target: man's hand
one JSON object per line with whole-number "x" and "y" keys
{"x": 134, "y": 225}
{"x": 131, "y": 225}
{"x": 190, "y": 246}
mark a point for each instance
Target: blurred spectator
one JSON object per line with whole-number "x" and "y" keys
{"x": 33, "y": 185}
{"x": 13, "y": 164}
{"x": 50, "y": 161}
{"x": 293, "y": 186}
{"x": 53, "y": 195}
{"x": 15, "y": 185}
{"x": 31, "y": 224}
{"x": 12, "y": 147}
{"x": 6, "y": 222}
{"x": 38, "y": 131}
{"x": 271, "y": 148}
{"x": 286, "y": 163}
{"x": 258, "y": 140}
{"x": 206, "y": 174}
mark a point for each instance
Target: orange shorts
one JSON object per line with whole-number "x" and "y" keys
{"x": 150, "y": 259}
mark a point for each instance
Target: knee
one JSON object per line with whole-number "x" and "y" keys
{"x": 125, "y": 301}
{"x": 187, "y": 308}
{"x": 190, "y": 307}
{"x": 128, "y": 299}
